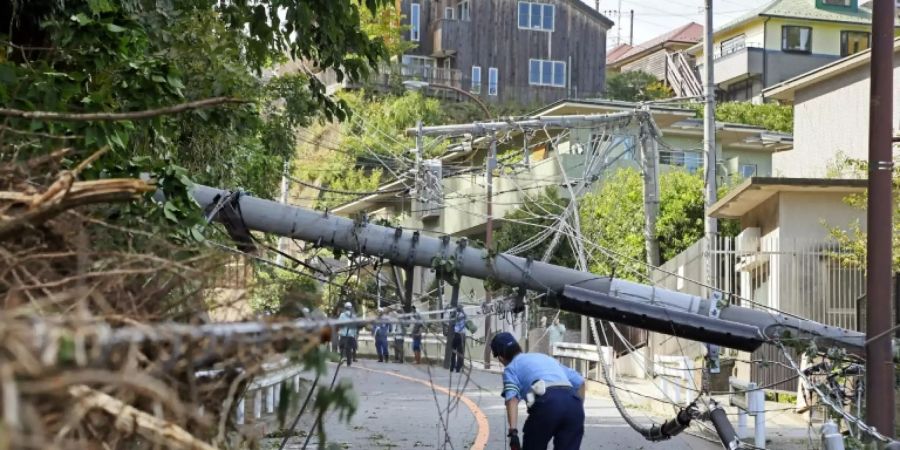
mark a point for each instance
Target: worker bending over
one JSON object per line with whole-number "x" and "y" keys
{"x": 554, "y": 395}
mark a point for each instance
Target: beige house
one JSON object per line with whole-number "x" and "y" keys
{"x": 782, "y": 39}
{"x": 783, "y": 258}
{"x": 831, "y": 114}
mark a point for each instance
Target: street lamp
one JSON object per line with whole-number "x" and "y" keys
{"x": 416, "y": 85}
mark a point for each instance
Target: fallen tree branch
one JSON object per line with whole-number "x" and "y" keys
{"x": 108, "y": 117}
{"x": 79, "y": 194}
{"x": 132, "y": 420}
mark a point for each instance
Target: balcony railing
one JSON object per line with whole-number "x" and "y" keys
{"x": 725, "y": 50}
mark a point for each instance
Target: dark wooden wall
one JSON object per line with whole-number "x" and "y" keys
{"x": 492, "y": 38}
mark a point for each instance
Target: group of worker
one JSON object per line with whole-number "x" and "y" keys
{"x": 387, "y": 327}
{"x": 384, "y": 327}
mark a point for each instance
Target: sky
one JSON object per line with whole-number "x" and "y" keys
{"x": 655, "y": 17}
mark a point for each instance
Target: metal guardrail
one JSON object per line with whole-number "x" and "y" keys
{"x": 268, "y": 385}
{"x": 749, "y": 400}
{"x": 581, "y": 356}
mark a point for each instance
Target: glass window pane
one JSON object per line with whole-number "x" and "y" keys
{"x": 535, "y": 15}
{"x": 534, "y": 72}
{"x": 548, "y": 17}
{"x": 559, "y": 74}
{"x": 547, "y": 72}
{"x": 524, "y": 16}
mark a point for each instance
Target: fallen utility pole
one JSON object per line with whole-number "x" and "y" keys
{"x": 406, "y": 248}
{"x": 880, "y": 371}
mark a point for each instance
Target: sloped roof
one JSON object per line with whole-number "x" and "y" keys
{"x": 689, "y": 33}
{"x": 617, "y": 52}
{"x": 801, "y": 9}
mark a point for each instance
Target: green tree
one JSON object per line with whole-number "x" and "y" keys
{"x": 613, "y": 218}
{"x": 534, "y": 216}
{"x": 367, "y": 151}
{"x": 91, "y": 56}
{"x": 770, "y": 116}
{"x": 853, "y": 239}
{"x": 636, "y": 86}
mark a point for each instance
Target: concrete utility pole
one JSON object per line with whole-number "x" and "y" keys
{"x": 650, "y": 176}
{"x": 631, "y": 30}
{"x": 879, "y": 357}
{"x": 489, "y": 236}
{"x": 285, "y": 190}
{"x": 408, "y": 248}
{"x": 710, "y": 224}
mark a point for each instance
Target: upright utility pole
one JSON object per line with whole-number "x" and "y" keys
{"x": 709, "y": 123}
{"x": 489, "y": 238}
{"x": 631, "y": 30}
{"x": 879, "y": 358}
{"x": 285, "y": 189}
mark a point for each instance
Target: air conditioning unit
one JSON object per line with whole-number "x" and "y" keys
{"x": 747, "y": 241}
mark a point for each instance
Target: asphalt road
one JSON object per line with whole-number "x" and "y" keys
{"x": 400, "y": 408}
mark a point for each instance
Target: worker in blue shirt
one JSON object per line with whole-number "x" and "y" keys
{"x": 554, "y": 395}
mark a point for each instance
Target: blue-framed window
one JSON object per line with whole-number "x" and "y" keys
{"x": 537, "y": 16}
{"x": 493, "y": 81}
{"x": 415, "y": 25}
{"x": 476, "y": 79}
{"x": 542, "y": 72}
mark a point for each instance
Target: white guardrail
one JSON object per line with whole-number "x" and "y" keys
{"x": 749, "y": 400}
{"x": 580, "y": 357}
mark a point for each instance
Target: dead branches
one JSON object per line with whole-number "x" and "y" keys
{"x": 130, "y": 420}
{"x": 109, "y": 117}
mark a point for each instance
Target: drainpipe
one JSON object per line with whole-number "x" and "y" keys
{"x": 765, "y": 74}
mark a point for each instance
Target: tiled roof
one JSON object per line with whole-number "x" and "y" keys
{"x": 689, "y": 33}
{"x": 617, "y": 52}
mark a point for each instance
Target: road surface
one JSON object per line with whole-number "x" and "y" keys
{"x": 399, "y": 409}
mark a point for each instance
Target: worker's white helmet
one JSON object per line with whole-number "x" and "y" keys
{"x": 348, "y": 305}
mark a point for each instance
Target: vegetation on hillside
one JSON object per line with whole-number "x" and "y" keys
{"x": 770, "y": 116}
{"x": 636, "y": 86}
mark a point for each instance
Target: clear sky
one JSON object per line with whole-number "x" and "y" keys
{"x": 655, "y": 17}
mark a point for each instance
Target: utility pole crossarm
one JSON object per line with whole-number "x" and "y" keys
{"x": 409, "y": 248}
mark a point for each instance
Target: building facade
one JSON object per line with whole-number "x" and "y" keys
{"x": 831, "y": 115}
{"x": 781, "y": 40}
{"x": 507, "y": 50}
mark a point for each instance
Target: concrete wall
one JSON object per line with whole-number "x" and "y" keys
{"x": 830, "y": 118}
{"x": 807, "y": 215}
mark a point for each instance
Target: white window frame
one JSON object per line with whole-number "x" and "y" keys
{"x": 493, "y": 81}
{"x": 553, "y": 66}
{"x": 449, "y": 13}
{"x": 476, "y": 80}
{"x": 464, "y": 11}
{"x": 415, "y": 22}
{"x": 543, "y": 9}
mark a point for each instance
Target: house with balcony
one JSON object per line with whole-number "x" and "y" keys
{"x": 530, "y": 52}
{"x": 780, "y": 40}
{"x": 664, "y": 58}
{"x": 831, "y": 114}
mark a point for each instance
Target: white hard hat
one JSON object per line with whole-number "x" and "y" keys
{"x": 348, "y": 305}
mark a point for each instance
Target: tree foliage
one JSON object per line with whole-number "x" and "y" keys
{"x": 372, "y": 148}
{"x": 534, "y": 216}
{"x": 853, "y": 240}
{"x": 613, "y": 218}
{"x": 88, "y": 56}
{"x": 770, "y": 116}
{"x": 636, "y": 86}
